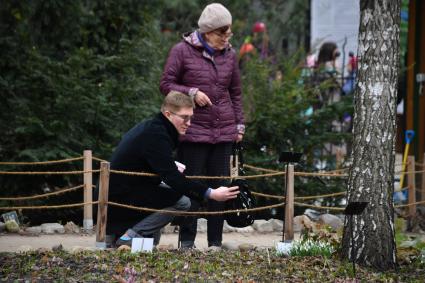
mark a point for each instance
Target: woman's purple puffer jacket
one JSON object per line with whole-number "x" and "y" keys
{"x": 189, "y": 68}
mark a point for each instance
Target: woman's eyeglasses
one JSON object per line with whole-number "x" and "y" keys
{"x": 226, "y": 35}
{"x": 185, "y": 118}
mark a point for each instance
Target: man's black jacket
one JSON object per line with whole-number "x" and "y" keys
{"x": 148, "y": 147}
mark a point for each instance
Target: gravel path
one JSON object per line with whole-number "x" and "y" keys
{"x": 16, "y": 242}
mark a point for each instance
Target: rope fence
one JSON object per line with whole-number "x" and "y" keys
{"x": 48, "y": 206}
{"x": 88, "y": 186}
{"x": 99, "y": 159}
{"x": 181, "y": 213}
{"x": 44, "y": 195}
{"x": 47, "y": 172}
{"x": 44, "y": 162}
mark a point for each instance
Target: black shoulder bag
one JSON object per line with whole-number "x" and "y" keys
{"x": 245, "y": 200}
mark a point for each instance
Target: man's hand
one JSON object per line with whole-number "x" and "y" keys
{"x": 224, "y": 193}
{"x": 202, "y": 99}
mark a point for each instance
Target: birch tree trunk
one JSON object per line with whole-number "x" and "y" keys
{"x": 371, "y": 176}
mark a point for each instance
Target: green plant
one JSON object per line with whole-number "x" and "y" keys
{"x": 279, "y": 116}
{"x": 311, "y": 248}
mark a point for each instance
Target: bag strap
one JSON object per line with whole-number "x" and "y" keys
{"x": 237, "y": 150}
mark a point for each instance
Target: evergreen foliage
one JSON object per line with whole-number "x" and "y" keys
{"x": 78, "y": 74}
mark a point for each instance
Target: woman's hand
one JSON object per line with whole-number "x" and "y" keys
{"x": 239, "y": 138}
{"x": 202, "y": 99}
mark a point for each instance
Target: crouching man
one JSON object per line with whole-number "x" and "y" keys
{"x": 148, "y": 147}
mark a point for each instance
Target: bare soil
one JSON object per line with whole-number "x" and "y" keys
{"x": 15, "y": 242}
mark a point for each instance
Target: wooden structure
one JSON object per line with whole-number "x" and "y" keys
{"x": 415, "y": 95}
{"x": 289, "y": 204}
{"x": 102, "y": 211}
{"x": 88, "y": 190}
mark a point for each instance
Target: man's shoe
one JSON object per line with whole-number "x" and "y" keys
{"x": 124, "y": 241}
{"x": 214, "y": 249}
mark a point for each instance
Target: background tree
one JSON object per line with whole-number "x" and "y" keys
{"x": 371, "y": 176}
{"x": 77, "y": 75}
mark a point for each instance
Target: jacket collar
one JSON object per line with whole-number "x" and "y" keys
{"x": 171, "y": 130}
{"x": 192, "y": 39}
{"x": 206, "y": 46}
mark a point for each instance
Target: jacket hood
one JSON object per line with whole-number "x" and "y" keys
{"x": 192, "y": 39}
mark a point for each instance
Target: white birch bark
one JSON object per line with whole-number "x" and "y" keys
{"x": 371, "y": 176}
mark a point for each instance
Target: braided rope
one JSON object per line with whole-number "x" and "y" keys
{"x": 336, "y": 171}
{"x": 187, "y": 212}
{"x": 259, "y": 168}
{"x": 197, "y": 177}
{"x": 410, "y": 172}
{"x": 47, "y": 172}
{"x": 44, "y": 195}
{"x": 173, "y": 212}
{"x": 341, "y": 208}
{"x": 312, "y": 197}
{"x": 98, "y": 159}
{"x": 47, "y": 206}
{"x": 303, "y": 197}
{"x": 133, "y": 173}
{"x": 267, "y": 195}
{"x": 318, "y": 206}
{"x": 320, "y": 196}
{"x": 307, "y": 174}
{"x": 43, "y": 162}
{"x": 409, "y": 204}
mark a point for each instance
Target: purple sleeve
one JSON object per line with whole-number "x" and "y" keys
{"x": 235, "y": 91}
{"x": 173, "y": 71}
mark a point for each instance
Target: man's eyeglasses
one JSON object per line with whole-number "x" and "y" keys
{"x": 185, "y": 118}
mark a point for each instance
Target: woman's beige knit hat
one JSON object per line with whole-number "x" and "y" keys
{"x": 214, "y": 16}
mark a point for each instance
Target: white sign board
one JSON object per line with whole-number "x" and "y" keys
{"x": 335, "y": 20}
{"x": 141, "y": 245}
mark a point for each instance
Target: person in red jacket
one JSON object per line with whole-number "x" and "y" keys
{"x": 205, "y": 66}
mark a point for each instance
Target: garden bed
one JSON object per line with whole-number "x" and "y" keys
{"x": 165, "y": 266}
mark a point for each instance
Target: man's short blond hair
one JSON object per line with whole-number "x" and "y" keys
{"x": 176, "y": 100}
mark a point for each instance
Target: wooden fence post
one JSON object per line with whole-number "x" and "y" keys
{"x": 411, "y": 184}
{"x": 88, "y": 191}
{"x": 102, "y": 211}
{"x": 289, "y": 204}
{"x": 423, "y": 179}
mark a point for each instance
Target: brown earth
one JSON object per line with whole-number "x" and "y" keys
{"x": 16, "y": 242}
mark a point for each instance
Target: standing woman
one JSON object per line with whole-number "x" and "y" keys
{"x": 205, "y": 66}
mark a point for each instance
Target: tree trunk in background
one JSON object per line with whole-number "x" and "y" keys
{"x": 372, "y": 172}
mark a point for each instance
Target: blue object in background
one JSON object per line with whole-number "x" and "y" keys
{"x": 400, "y": 196}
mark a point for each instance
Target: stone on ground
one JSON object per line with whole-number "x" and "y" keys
{"x": 331, "y": 220}
{"x": 303, "y": 222}
{"x": 51, "y": 228}
{"x": 71, "y": 228}
{"x": 34, "y": 230}
{"x": 12, "y": 226}
{"x": 263, "y": 226}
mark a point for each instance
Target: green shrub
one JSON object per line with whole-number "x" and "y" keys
{"x": 311, "y": 248}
